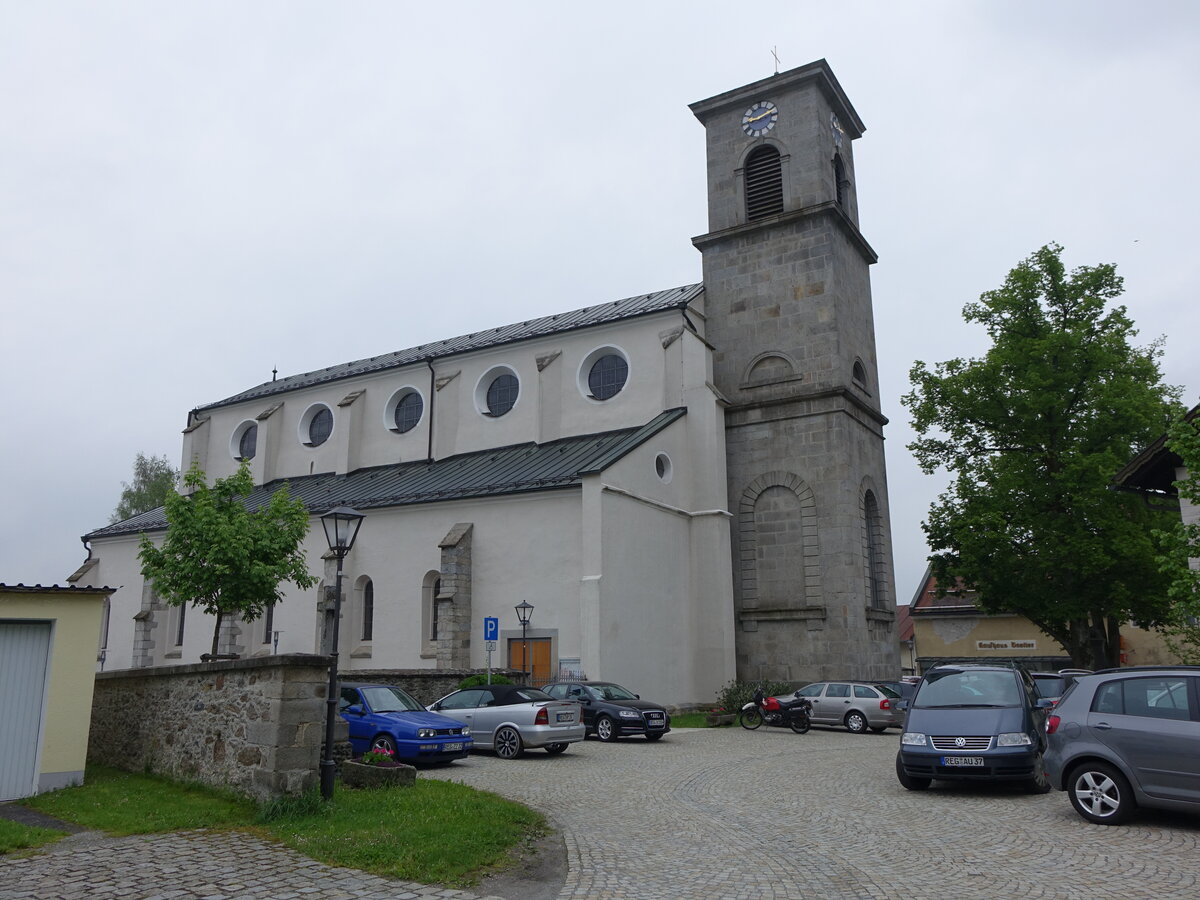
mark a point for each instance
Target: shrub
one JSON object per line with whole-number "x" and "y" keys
{"x": 737, "y": 694}
{"x": 475, "y": 680}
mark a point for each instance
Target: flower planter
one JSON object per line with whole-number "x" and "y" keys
{"x": 356, "y": 774}
{"x": 714, "y": 719}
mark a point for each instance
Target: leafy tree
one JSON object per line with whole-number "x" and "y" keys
{"x": 1032, "y": 434}
{"x": 1180, "y": 546}
{"x": 221, "y": 556}
{"x": 153, "y": 479}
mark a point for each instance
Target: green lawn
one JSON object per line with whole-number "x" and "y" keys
{"x": 15, "y": 836}
{"x": 434, "y": 832}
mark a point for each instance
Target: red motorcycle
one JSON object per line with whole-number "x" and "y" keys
{"x": 792, "y": 714}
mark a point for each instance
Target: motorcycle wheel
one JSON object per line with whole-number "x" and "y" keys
{"x": 800, "y": 724}
{"x": 750, "y": 719}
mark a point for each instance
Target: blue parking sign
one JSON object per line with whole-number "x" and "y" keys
{"x": 491, "y": 628}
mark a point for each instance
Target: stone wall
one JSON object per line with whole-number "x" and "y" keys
{"x": 255, "y": 726}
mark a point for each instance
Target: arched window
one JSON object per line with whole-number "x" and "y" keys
{"x": 367, "y": 610}
{"x": 841, "y": 182}
{"x": 431, "y": 586}
{"x": 873, "y": 550}
{"x": 764, "y": 183}
{"x": 268, "y": 624}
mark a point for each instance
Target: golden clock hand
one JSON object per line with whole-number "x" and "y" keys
{"x": 761, "y": 116}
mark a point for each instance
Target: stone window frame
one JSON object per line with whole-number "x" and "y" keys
{"x": 875, "y": 550}
{"x": 750, "y": 611}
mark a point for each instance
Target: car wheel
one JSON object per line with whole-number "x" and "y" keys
{"x": 1101, "y": 794}
{"x": 555, "y": 749}
{"x": 908, "y": 781}
{"x": 507, "y": 743}
{"x": 856, "y": 722}
{"x": 653, "y": 737}
{"x": 606, "y": 729}
{"x": 1040, "y": 782}
{"x": 384, "y": 742}
{"x": 750, "y": 719}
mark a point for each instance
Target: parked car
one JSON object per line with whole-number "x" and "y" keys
{"x": 974, "y": 723}
{"x": 512, "y": 718}
{"x": 1053, "y": 685}
{"x": 611, "y": 711}
{"x": 383, "y": 717}
{"x": 1125, "y": 738}
{"x": 905, "y": 690}
{"x": 858, "y": 705}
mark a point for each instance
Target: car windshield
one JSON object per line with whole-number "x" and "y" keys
{"x": 1049, "y": 687}
{"x": 612, "y": 692}
{"x": 389, "y": 699}
{"x": 959, "y": 687}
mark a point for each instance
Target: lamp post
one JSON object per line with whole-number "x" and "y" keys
{"x": 524, "y": 611}
{"x": 341, "y": 528}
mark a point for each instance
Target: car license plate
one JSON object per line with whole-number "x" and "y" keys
{"x": 451, "y": 748}
{"x": 565, "y": 717}
{"x": 962, "y": 760}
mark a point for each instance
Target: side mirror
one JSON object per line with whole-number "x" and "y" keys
{"x": 354, "y": 710}
{"x": 797, "y": 694}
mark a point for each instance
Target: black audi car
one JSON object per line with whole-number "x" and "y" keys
{"x": 611, "y": 711}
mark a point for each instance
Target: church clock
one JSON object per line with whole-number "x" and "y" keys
{"x": 760, "y": 118}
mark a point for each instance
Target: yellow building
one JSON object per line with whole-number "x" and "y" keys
{"x": 952, "y": 628}
{"x": 48, "y": 641}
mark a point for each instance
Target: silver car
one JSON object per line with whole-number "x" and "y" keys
{"x": 858, "y": 705}
{"x": 511, "y": 718}
{"x": 1126, "y": 738}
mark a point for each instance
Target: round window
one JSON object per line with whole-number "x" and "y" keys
{"x": 248, "y": 443}
{"x": 320, "y": 426}
{"x": 502, "y": 394}
{"x": 408, "y": 411}
{"x": 607, "y": 376}
{"x": 663, "y": 467}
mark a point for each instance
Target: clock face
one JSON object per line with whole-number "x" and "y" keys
{"x": 838, "y": 131}
{"x": 760, "y": 118}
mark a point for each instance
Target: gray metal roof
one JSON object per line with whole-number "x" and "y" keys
{"x": 519, "y": 468}
{"x": 629, "y": 308}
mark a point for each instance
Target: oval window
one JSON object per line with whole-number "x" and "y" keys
{"x": 502, "y": 394}
{"x": 248, "y": 443}
{"x": 607, "y": 376}
{"x": 408, "y": 411}
{"x": 320, "y": 427}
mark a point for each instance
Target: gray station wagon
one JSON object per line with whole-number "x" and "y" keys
{"x": 1126, "y": 738}
{"x": 858, "y": 705}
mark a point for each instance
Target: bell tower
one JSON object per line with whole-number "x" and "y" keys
{"x": 788, "y": 309}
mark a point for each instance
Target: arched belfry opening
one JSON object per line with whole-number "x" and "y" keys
{"x": 764, "y": 183}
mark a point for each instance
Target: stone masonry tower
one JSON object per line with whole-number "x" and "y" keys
{"x": 788, "y": 307}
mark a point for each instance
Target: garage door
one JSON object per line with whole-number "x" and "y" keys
{"x": 24, "y": 656}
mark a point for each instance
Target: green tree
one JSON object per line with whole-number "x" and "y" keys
{"x": 1032, "y": 433}
{"x": 1180, "y": 547}
{"x": 153, "y": 479}
{"x": 223, "y": 557}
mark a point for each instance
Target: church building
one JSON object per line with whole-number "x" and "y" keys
{"x": 688, "y": 486}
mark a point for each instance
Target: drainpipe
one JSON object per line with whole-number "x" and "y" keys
{"x": 429, "y": 449}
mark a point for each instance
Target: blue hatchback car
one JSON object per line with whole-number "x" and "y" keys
{"x": 384, "y": 717}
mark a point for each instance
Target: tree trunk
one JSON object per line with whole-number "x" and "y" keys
{"x": 217, "y": 633}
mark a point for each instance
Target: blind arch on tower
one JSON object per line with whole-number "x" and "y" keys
{"x": 763, "y": 174}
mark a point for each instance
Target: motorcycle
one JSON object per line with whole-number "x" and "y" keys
{"x": 787, "y": 714}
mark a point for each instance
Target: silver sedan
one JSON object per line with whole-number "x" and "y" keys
{"x": 511, "y": 718}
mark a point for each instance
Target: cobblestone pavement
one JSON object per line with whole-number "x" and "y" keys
{"x": 704, "y": 813}
{"x": 727, "y": 813}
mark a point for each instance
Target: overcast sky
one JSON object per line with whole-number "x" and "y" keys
{"x": 194, "y": 193}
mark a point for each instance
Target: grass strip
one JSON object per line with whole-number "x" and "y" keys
{"x": 15, "y": 836}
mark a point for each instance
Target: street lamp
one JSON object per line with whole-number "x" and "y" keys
{"x": 524, "y": 611}
{"x": 341, "y": 528}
